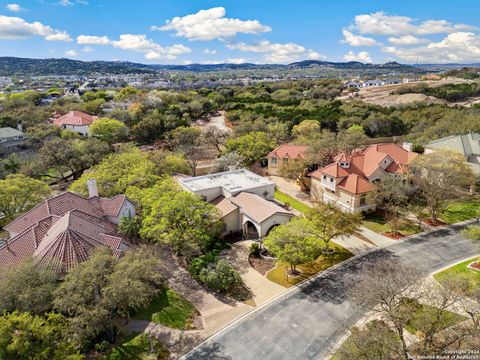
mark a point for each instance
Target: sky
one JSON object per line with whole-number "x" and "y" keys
{"x": 238, "y": 31}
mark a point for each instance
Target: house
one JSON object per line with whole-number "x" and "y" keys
{"x": 468, "y": 145}
{"x": 245, "y": 201}
{"x": 353, "y": 84}
{"x": 347, "y": 180}
{"x": 11, "y": 140}
{"x": 373, "y": 83}
{"x": 283, "y": 154}
{"x": 76, "y": 121}
{"x": 393, "y": 81}
{"x": 65, "y": 229}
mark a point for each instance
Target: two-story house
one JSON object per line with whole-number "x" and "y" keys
{"x": 283, "y": 154}
{"x": 347, "y": 180}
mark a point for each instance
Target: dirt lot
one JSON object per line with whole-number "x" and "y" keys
{"x": 383, "y": 95}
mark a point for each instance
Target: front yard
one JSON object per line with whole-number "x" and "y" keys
{"x": 461, "y": 211}
{"x": 278, "y": 273}
{"x": 376, "y": 222}
{"x": 169, "y": 309}
{"x": 462, "y": 270}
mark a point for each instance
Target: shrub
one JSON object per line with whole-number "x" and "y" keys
{"x": 255, "y": 249}
{"x": 221, "y": 277}
{"x": 199, "y": 263}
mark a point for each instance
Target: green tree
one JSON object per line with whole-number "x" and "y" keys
{"x": 294, "y": 243}
{"x": 188, "y": 140}
{"x": 221, "y": 276}
{"x": 97, "y": 293}
{"x": 19, "y": 193}
{"x": 183, "y": 221}
{"x": 253, "y": 146}
{"x": 330, "y": 222}
{"x": 441, "y": 176}
{"x": 130, "y": 228}
{"x": 28, "y": 337}
{"x": 169, "y": 163}
{"x": 108, "y": 130}
{"x": 117, "y": 172}
{"x": 27, "y": 288}
{"x": 307, "y": 129}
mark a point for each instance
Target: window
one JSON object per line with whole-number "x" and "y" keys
{"x": 285, "y": 160}
{"x": 273, "y": 160}
{"x": 331, "y": 180}
{"x": 363, "y": 200}
{"x": 324, "y": 177}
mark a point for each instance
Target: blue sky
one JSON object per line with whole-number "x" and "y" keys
{"x": 260, "y": 31}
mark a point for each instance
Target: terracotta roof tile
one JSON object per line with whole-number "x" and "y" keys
{"x": 77, "y": 118}
{"x": 257, "y": 207}
{"x": 355, "y": 184}
{"x": 289, "y": 151}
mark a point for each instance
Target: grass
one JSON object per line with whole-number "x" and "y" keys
{"x": 422, "y": 311}
{"x": 138, "y": 347}
{"x": 279, "y": 276}
{"x": 461, "y": 211}
{"x": 376, "y": 222}
{"x": 294, "y": 203}
{"x": 461, "y": 270}
{"x": 169, "y": 309}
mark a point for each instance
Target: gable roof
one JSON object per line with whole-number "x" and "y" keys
{"x": 466, "y": 144}
{"x": 8, "y": 132}
{"x": 256, "y": 207}
{"x": 355, "y": 184}
{"x": 77, "y": 118}
{"x": 333, "y": 169}
{"x": 224, "y": 205}
{"x": 289, "y": 151}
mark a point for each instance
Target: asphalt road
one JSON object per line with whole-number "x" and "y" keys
{"x": 306, "y": 322}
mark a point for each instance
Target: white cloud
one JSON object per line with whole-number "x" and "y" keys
{"x": 276, "y": 52}
{"x": 93, "y": 40}
{"x": 14, "y": 7}
{"x": 461, "y": 47}
{"x": 65, "y": 3}
{"x": 236, "y": 60}
{"x": 380, "y": 23}
{"x": 209, "y": 51}
{"x": 362, "y": 56}
{"x": 151, "y": 50}
{"x": 211, "y": 24}
{"x": 407, "y": 40}
{"x": 71, "y": 53}
{"x": 87, "y": 49}
{"x": 357, "y": 40}
{"x": 13, "y": 28}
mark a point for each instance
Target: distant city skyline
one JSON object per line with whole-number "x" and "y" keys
{"x": 187, "y": 31}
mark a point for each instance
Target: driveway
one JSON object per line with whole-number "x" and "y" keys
{"x": 306, "y": 322}
{"x": 261, "y": 288}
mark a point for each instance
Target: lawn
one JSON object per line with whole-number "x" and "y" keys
{"x": 376, "y": 222}
{"x": 461, "y": 211}
{"x": 279, "y": 276}
{"x": 138, "y": 347}
{"x": 462, "y": 270}
{"x": 294, "y": 203}
{"x": 422, "y": 311}
{"x": 169, "y": 309}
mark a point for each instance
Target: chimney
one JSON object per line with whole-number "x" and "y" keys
{"x": 19, "y": 127}
{"x": 407, "y": 146}
{"x": 92, "y": 187}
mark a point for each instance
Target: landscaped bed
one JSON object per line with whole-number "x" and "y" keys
{"x": 279, "y": 273}
{"x": 262, "y": 265}
{"x": 294, "y": 203}
{"x": 170, "y": 309}
{"x": 473, "y": 276}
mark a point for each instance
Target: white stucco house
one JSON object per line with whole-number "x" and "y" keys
{"x": 245, "y": 201}
{"x": 75, "y": 121}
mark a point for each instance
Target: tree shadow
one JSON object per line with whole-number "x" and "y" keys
{"x": 331, "y": 286}
{"x": 211, "y": 351}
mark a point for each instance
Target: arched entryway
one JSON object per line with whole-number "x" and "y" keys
{"x": 271, "y": 228}
{"x": 250, "y": 231}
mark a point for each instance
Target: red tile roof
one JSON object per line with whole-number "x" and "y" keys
{"x": 364, "y": 163}
{"x": 289, "y": 151}
{"x": 77, "y": 118}
{"x": 355, "y": 184}
{"x": 63, "y": 231}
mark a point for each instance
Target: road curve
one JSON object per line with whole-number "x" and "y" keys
{"x": 305, "y": 323}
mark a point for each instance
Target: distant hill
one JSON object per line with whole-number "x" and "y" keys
{"x": 11, "y": 66}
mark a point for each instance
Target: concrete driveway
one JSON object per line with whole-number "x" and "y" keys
{"x": 307, "y": 321}
{"x": 262, "y": 289}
